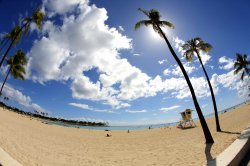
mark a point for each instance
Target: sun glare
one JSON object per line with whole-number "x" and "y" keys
{"x": 154, "y": 35}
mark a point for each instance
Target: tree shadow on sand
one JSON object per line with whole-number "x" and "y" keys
{"x": 230, "y": 132}
{"x": 208, "y": 148}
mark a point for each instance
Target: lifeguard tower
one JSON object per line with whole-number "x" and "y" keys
{"x": 187, "y": 120}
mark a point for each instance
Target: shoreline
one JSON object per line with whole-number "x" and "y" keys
{"x": 139, "y": 127}
{"x": 32, "y": 142}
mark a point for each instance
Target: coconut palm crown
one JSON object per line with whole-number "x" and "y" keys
{"x": 37, "y": 18}
{"x": 154, "y": 20}
{"x": 194, "y": 47}
{"x": 242, "y": 64}
{"x": 156, "y": 23}
{"x": 16, "y": 67}
{"x": 13, "y": 35}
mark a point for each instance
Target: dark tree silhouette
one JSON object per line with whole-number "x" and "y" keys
{"x": 16, "y": 65}
{"x": 156, "y": 23}
{"x": 242, "y": 64}
{"x": 16, "y": 33}
{"x": 191, "y": 48}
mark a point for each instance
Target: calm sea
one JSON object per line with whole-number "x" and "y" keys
{"x": 139, "y": 127}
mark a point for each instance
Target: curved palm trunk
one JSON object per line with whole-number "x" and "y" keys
{"x": 5, "y": 42}
{"x": 212, "y": 94}
{"x": 12, "y": 42}
{"x": 5, "y": 81}
{"x": 206, "y": 132}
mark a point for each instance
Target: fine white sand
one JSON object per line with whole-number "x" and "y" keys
{"x": 31, "y": 142}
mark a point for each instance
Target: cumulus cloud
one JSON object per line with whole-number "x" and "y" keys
{"x": 20, "y": 98}
{"x": 90, "y": 119}
{"x": 87, "y": 107}
{"x": 80, "y": 44}
{"x": 82, "y": 41}
{"x": 166, "y": 72}
{"x": 165, "y": 109}
{"x": 188, "y": 67}
{"x": 162, "y": 61}
{"x": 231, "y": 81}
{"x": 176, "y": 70}
{"x": 121, "y": 28}
{"x": 136, "y": 111}
{"x": 227, "y": 62}
{"x": 82, "y": 106}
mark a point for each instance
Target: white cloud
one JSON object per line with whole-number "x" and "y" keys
{"x": 231, "y": 81}
{"x": 165, "y": 109}
{"x": 63, "y": 6}
{"x": 82, "y": 106}
{"x": 162, "y": 61}
{"x": 90, "y": 119}
{"x": 82, "y": 42}
{"x": 204, "y": 105}
{"x": 176, "y": 70}
{"x": 136, "y": 111}
{"x": 20, "y": 98}
{"x": 87, "y": 107}
{"x": 180, "y": 89}
{"x": 121, "y": 28}
{"x": 228, "y": 63}
{"x": 136, "y": 54}
{"x": 166, "y": 72}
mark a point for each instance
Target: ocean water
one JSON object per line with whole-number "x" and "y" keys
{"x": 139, "y": 127}
{"x": 134, "y": 127}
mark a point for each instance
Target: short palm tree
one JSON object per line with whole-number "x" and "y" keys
{"x": 156, "y": 23}
{"x": 242, "y": 64}
{"x": 192, "y": 48}
{"x": 16, "y": 67}
{"x": 36, "y": 18}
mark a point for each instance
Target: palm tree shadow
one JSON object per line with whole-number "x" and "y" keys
{"x": 230, "y": 132}
{"x": 208, "y": 148}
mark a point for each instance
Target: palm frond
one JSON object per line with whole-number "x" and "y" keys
{"x": 38, "y": 17}
{"x": 242, "y": 75}
{"x": 236, "y": 65}
{"x": 242, "y": 63}
{"x": 198, "y": 39}
{"x": 142, "y": 22}
{"x": 237, "y": 70}
{"x": 189, "y": 55}
{"x": 185, "y": 46}
{"x": 206, "y": 47}
{"x": 17, "y": 65}
{"x": 144, "y": 11}
{"x": 167, "y": 24}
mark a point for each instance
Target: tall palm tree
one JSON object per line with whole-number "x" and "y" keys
{"x": 242, "y": 64}
{"x": 156, "y": 23}
{"x": 16, "y": 68}
{"x": 13, "y": 35}
{"x": 192, "y": 48}
{"x": 36, "y": 18}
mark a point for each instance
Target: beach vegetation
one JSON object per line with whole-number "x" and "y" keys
{"x": 16, "y": 67}
{"x": 14, "y": 37}
{"x": 154, "y": 21}
{"x": 44, "y": 117}
{"x": 242, "y": 65}
{"x": 194, "y": 47}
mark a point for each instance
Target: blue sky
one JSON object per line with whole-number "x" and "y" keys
{"x": 88, "y": 63}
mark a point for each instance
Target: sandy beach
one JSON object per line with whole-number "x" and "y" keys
{"x": 32, "y": 142}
